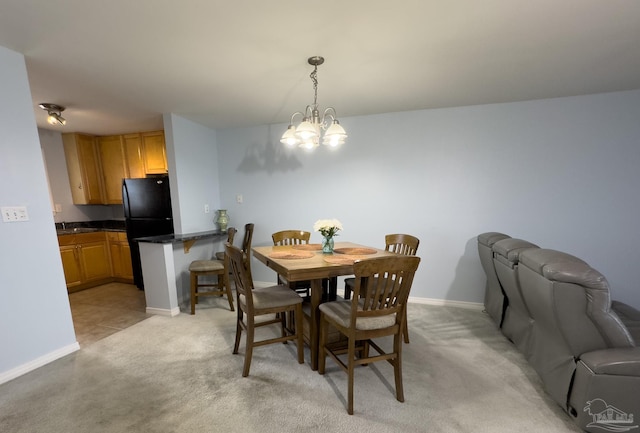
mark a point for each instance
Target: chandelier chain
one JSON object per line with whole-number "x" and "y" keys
{"x": 314, "y": 78}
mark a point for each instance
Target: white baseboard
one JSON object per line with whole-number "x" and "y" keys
{"x": 38, "y": 362}
{"x": 447, "y": 303}
{"x": 412, "y": 299}
{"x": 163, "y": 311}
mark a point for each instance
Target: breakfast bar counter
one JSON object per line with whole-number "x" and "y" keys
{"x": 163, "y": 264}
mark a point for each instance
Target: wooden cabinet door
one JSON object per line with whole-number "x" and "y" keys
{"x": 134, "y": 155}
{"x": 84, "y": 168}
{"x": 71, "y": 265}
{"x": 121, "y": 267}
{"x": 112, "y": 157}
{"x": 127, "y": 267}
{"x": 95, "y": 261}
{"x": 155, "y": 158}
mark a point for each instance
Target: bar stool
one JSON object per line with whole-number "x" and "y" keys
{"x": 217, "y": 268}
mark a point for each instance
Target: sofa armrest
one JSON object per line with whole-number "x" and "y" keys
{"x": 616, "y": 362}
{"x": 630, "y": 317}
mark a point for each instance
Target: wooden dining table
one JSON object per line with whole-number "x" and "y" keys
{"x": 307, "y": 262}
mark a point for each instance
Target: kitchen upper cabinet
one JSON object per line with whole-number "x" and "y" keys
{"x": 134, "y": 155}
{"x": 84, "y": 168}
{"x": 155, "y": 156}
{"x": 97, "y": 165}
{"x": 114, "y": 169}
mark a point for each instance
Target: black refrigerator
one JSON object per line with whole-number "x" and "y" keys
{"x": 147, "y": 212}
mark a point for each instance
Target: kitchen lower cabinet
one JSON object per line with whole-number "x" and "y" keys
{"x": 71, "y": 266}
{"x": 121, "y": 268}
{"x": 85, "y": 259}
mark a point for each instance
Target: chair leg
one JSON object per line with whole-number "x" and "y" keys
{"x": 397, "y": 367}
{"x": 350, "y": 372}
{"x": 248, "y": 351}
{"x": 405, "y": 325}
{"x": 405, "y": 332}
{"x": 227, "y": 286}
{"x": 347, "y": 291}
{"x": 194, "y": 283}
{"x": 322, "y": 356}
{"x": 238, "y": 332}
{"x": 300, "y": 340}
{"x": 283, "y": 324}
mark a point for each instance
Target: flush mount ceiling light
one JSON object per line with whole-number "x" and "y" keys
{"x": 55, "y": 113}
{"x": 307, "y": 133}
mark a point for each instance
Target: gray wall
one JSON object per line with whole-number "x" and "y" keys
{"x": 562, "y": 173}
{"x": 193, "y": 173}
{"x": 35, "y": 318}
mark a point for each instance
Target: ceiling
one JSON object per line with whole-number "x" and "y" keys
{"x": 117, "y": 65}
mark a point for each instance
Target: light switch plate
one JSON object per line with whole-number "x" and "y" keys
{"x": 12, "y": 214}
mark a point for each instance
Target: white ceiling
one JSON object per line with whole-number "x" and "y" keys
{"x": 117, "y": 65}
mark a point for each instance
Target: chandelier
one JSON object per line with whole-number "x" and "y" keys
{"x": 307, "y": 133}
{"x": 54, "y": 112}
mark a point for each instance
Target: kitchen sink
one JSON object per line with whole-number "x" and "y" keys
{"x": 76, "y": 230}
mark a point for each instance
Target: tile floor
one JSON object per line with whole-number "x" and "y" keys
{"x": 104, "y": 310}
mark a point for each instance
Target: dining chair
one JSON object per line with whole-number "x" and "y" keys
{"x": 246, "y": 245}
{"x": 208, "y": 268}
{"x": 301, "y": 237}
{"x": 380, "y": 293}
{"x": 231, "y": 234}
{"x": 403, "y": 244}
{"x": 293, "y": 237}
{"x": 254, "y": 302}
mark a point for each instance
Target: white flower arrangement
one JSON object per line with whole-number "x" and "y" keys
{"x": 328, "y": 228}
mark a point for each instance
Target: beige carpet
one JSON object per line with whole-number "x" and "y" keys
{"x": 178, "y": 375}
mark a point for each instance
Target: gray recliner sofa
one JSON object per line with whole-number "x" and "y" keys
{"x": 517, "y": 323}
{"x": 494, "y": 297}
{"x": 586, "y": 356}
{"x": 583, "y": 345}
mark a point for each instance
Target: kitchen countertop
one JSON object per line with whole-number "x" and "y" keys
{"x": 72, "y": 228}
{"x": 183, "y": 237}
{"x": 77, "y": 230}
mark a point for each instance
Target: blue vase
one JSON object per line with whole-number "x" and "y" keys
{"x": 327, "y": 245}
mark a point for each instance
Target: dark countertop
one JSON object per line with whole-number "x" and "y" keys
{"x": 70, "y": 228}
{"x": 183, "y": 237}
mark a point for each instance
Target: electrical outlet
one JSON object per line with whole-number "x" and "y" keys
{"x": 14, "y": 214}
{"x": 206, "y": 208}
{"x": 239, "y": 199}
